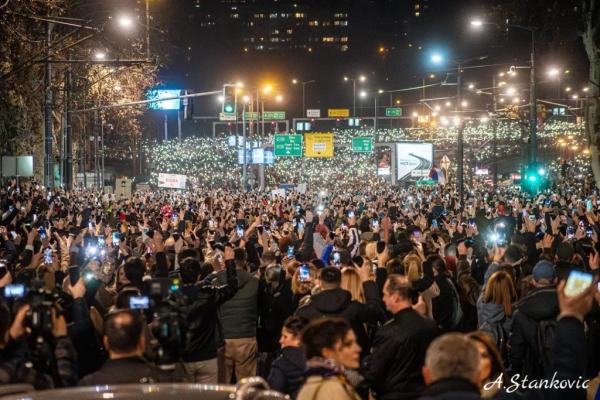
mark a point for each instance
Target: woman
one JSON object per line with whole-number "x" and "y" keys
{"x": 302, "y": 287}
{"x": 330, "y": 347}
{"x": 490, "y": 364}
{"x": 422, "y": 280}
{"x": 494, "y": 309}
{"x": 445, "y": 307}
{"x": 352, "y": 283}
{"x": 287, "y": 371}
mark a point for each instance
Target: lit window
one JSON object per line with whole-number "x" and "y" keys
{"x": 235, "y": 16}
{"x": 344, "y": 47}
{"x": 328, "y": 39}
{"x": 417, "y": 14}
{"x": 299, "y": 15}
{"x": 273, "y": 15}
{"x": 289, "y": 31}
{"x": 344, "y": 39}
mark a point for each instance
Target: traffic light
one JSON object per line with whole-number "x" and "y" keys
{"x": 229, "y": 100}
{"x": 534, "y": 178}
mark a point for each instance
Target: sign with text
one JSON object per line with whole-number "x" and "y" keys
{"x": 338, "y": 112}
{"x": 393, "y": 112}
{"x": 251, "y": 115}
{"x": 313, "y": 113}
{"x": 413, "y": 160}
{"x": 288, "y": 145}
{"x": 171, "y": 181}
{"x": 273, "y": 115}
{"x": 318, "y": 144}
{"x": 362, "y": 144}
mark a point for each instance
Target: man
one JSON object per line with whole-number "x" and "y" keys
{"x": 124, "y": 339}
{"x": 564, "y": 260}
{"x": 335, "y": 301}
{"x": 451, "y": 369}
{"x": 238, "y": 317}
{"x": 534, "y": 324}
{"x": 394, "y": 365}
{"x": 199, "y": 305}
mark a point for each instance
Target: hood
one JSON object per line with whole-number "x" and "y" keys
{"x": 489, "y": 312}
{"x": 295, "y": 356}
{"x": 331, "y": 301}
{"x": 540, "y": 304}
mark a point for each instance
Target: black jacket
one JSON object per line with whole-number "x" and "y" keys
{"x": 199, "y": 304}
{"x": 287, "y": 371}
{"x": 539, "y": 305}
{"x": 393, "y": 368}
{"x": 126, "y": 370}
{"x": 447, "y": 304}
{"x": 338, "y": 303}
{"x": 239, "y": 314}
{"x": 451, "y": 389}
{"x": 274, "y": 306}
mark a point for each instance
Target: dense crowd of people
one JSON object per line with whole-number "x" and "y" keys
{"x": 379, "y": 292}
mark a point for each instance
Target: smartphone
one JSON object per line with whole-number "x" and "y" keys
{"x": 73, "y": 274}
{"x": 532, "y": 217}
{"x": 300, "y": 227}
{"x": 417, "y": 234}
{"x": 139, "y": 302}
{"x": 42, "y": 233}
{"x": 434, "y": 224}
{"x": 297, "y": 209}
{"x": 589, "y": 206}
{"x": 116, "y": 239}
{"x": 350, "y": 214}
{"x": 290, "y": 252}
{"x": 14, "y": 291}
{"x": 375, "y": 224}
{"x": 101, "y": 242}
{"x": 547, "y": 202}
{"x": 211, "y": 224}
{"x": 589, "y": 232}
{"x": 337, "y": 259}
{"x": 34, "y": 217}
{"x": 174, "y": 217}
{"x": 304, "y": 273}
{"x": 570, "y": 232}
{"x": 240, "y": 231}
{"x": 577, "y": 282}
{"x": 47, "y": 256}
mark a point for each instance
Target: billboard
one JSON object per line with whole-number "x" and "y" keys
{"x": 155, "y": 94}
{"x": 413, "y": 160}
{"x": 318, "y": 144}
{"x": 171, "y": 181}
{"x": 257, "y": 155}
{"x": 384, "y": 161}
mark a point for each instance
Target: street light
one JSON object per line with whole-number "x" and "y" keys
{"x": 363, "y": 94}
{"x": 476, "y": 23}
{"x": 361, "y": 78}
{"x": 279, "y": 98}
{"x": 553, "y": 72}
{"x": 304, "y": 83}
{"x": 100, "y": 55}
{"x": 125, "y": 21}
{"x": 294, "y": 81}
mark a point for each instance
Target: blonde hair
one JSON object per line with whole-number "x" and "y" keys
{"x": 413, "y": 267}
{"x": 352, "y": 283}
{"x": 303, "y": 287}
{"x": 500, "y": 289}
{"x": 371, "y": 250}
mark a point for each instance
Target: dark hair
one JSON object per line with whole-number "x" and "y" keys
{"x": 493, "y": 353}
{"x": 513, "y": 254}
{"x": 399, "y": 284}
{"x": 123, "y": 297}
{"x": 134, "y": 271}
{"x": 395, "y": 266}
{"x": 295, "y": 324}
{"x": 323, "y": 333}
{"x": 206, "y": 269}
{"x": 239, "y": 256}
{"x": 189, "y": 270}
{"x": 123, "y": 330}
{"x": 331, "y": 276}
{"x": 438, "y": 264}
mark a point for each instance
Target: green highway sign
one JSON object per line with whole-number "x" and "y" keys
{"x": 362, "y": 144}
{"x": 393, "y": 112}
{"x": 287, "y": 145}
{"x": 273, "y": 115}
{"x": 251, "y": 115}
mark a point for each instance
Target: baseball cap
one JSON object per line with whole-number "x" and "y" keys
{"x": 544, "y": 269}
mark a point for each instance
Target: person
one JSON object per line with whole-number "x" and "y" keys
{"x": 335, "y": 301}
{"x": 199, "y": 303}
{"x": 351, "y": 282}
{"x": 125, "y": 341}
{"x": 287, "y": 371}
{"x": 451, "y": 369}
{"x": 445, "y": 306}
{"x": 238, "y": 317}
{"x": 398, "y": 353}
{"x": 534, "y": 323}
{"x": 495, "y": 310}
{"x": 491, "y": 365}
{"x": 330, "y": 347}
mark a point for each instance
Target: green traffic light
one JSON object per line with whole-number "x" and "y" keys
{"x": 228, "y": 108}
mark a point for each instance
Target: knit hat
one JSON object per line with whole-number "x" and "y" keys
{"x": 544, "y": 269}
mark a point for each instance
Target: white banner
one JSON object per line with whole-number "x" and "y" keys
{"x": 313, "y": 113}
{"x": 413, "y": 160}
{"x": 172, "y": 181}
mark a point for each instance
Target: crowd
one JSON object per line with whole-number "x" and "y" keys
{"x": 377, "y": 292}
{"x": 210, "y": 162}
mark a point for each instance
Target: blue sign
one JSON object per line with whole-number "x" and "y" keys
{"x": 156, "y": 94}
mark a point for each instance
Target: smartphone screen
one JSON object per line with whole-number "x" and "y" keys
{"x": 570, "y": 232}
{"x": 577, "y": 282}
{"x": 336, "y": 258}
{"x": 304, "y": 274}
{"x": 116, "y": 239}
{"x": 48, "y": 256}
{"x": 290, "y": 252}
{"x": 139, "y": 302}
{"x": 14, "y": 291}
{"x": 434, "y": 223}
{"x": 101, "y": 242}
{"x": 589, "y": 232}
{"x": 240, "y": 231}
{"x": 42, "y": 233}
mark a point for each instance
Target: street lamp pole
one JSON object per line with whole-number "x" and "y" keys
{"x": 495, "y": 137}
{"x": 303, "y": 96}
{"x": 354, "y": 97}
{"x": 460, "y": 139}
{"x": 375, "y": 122}
{"x": 533, "y": 104}
{"x": 147, "y": 29}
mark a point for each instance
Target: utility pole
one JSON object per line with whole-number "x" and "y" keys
{"x": 495, "y": 137}
{"x": 48, "y": 128}
{"x": 68, "y": 165}
{"x": 533, "y": 104}
{"x": 460, "y": 149}
{"x": 147, "y": 30}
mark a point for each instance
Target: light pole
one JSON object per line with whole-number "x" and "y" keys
{"x": 147, "y": 29}
{"x": 478, "y": 23}
{"x": 361, "y": 78}
{"x": 295, "y": 81}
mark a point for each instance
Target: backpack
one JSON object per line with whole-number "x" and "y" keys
{"x": 544, "y": 341}
{"x": 499, "y": 335}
